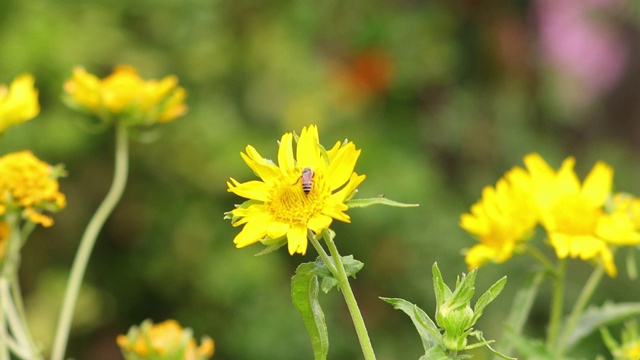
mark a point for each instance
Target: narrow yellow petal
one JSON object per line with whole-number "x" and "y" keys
{"x": 597, "y": 185}
{"x": 341, "y": 168}
{"x": 277, "y": 229}
{"x": 285, "y": 154}
{"x": 261, "y": 167}
{"x": 307, "y": 151}
{"x": 355, "y": 181}
{"x": 256, "y": 190}
{"x": 319, "y": 222}
{"x": 252, "y": 232}
{"x": 297, "y": 239}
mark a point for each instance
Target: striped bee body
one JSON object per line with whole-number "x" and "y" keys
{"x": 307, "y": 180}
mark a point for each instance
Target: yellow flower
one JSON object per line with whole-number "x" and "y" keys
{"x": 278, "y": 205}
{"x": 28, "y": 185}
{"x": 19, "y": 102}
{"x": 124, "y": 96}
{"x": 165, "y": 340}
{"x": 573, "y": 214}
{"x": 505, "y": 216}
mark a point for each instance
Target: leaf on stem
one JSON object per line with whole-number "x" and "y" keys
{"x": 304, "y": 293}
{"x": 380, "y": 200}
{"x": 425, "y": 326}
{"x": 351, "y": 268}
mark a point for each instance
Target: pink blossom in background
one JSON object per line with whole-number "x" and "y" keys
{"x": 577, "y": 40}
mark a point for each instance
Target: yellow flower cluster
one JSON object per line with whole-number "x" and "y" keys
{"x": 29, "y": 186}
{"x": 279, "y": 207}
{"x": 573, "y": 214}
{"x": 163, "y": 341}
{"x": 125, "y": 96}
{"x": 18, "y": 102}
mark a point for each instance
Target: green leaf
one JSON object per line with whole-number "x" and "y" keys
{"x": 441, "y": 289}
{"x": 488, "y": 297}
{"x": 272, "y": 247}
{"x": 595, "y": 317}
{"x": 420, "y": 320}
{"x": 521, "y": 307}
{"x": 351, "y": 268}
{"x": 435, "y": 353}
{"x": 485, "y": 343}
{"x": 380, "y": 200}
{"x": 304, "y": 293}
{"x": 463, "y": 293}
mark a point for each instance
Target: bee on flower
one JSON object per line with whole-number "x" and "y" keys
{"x": 279, "y": 207}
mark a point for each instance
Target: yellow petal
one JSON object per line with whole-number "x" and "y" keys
{"x": 285, "y": 154}
{"x": 597, "y": 185}
{"x": 256, "y": 190}
{"x": 297, "y": 239}
{"x": 261, "y": 167}
{"x": 341, "y": 168}
{"x": 307, "y": 151}
{"x": 319, "y": 222}
{"x": 252, "y": 232}
{"x": 277, "y": 229}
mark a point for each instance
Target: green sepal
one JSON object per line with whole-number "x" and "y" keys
{"x": 380, "y": 200}
{"x": 488, "y": 297}
{"x": 304, "y": 293}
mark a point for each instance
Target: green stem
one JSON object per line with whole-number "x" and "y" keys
{"x": 88, "y": 240}
{"x": 581, "y": 304}
{"x": 352, "y": 305}
{"x": 557, "y": 305}
{"x": 323, "y": 254}
{"x": 538, "y": 255}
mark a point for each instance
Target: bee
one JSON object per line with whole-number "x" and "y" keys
{"x": 307, "y": 180}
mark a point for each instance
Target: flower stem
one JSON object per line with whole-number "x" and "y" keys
{"x": 352, "y": 305}
{"x": 580, "y": 305}
{"x": 88, "y": 240}
{"x": 557, "y": 305}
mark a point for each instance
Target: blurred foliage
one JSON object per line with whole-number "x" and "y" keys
{"x": 442, "y": 96}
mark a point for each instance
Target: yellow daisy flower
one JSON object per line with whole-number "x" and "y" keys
{"x": 573, "y": 214}
{"x": 301, "y": 193}
{"x": 19, "y": 102}
{"x": 125, "y": 96}
{"x": 29, "y": 185}
{"x": 165, "y": 340}
{"x": 505, "y": 216}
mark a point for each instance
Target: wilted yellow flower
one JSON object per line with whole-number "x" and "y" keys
{"x": 505, "y": 216}
{"x": 297, "y": 195}
{"x": 573, "y": 214}
{"x": 19, "y": 102}
{"x": 165, "y": 340}
{"x": 29, "y": 186}
{"x": 124, "y": 96}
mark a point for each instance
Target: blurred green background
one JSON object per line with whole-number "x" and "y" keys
{"x": 441, "y": 96}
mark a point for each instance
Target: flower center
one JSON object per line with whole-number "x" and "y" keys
{"x": 288, "y": 203}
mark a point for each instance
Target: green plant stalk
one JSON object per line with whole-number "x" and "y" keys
{"x": 10, "y": 275}
{"x": 323, "y": 254}
{"x": 557, "y": 305}
{"x": 88, "y": 241}
{"x": 352, "y": 305}
{"x": 581, "y": 304}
